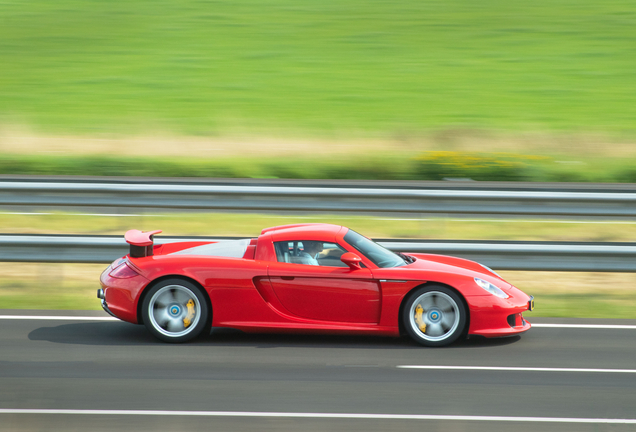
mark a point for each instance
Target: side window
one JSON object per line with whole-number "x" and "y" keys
{"x": 309, "y": 252}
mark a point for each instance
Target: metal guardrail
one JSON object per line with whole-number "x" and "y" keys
{"x": 444, "y": 198}
{"x": 601, "y": 257}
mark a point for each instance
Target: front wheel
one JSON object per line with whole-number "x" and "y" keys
{"x": 434, "y": 316}
{"x": 175, "y": 310}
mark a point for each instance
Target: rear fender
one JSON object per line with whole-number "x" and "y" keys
{"x": 140, "y": 301}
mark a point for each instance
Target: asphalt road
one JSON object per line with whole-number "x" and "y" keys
{"x": 231, "y": 381}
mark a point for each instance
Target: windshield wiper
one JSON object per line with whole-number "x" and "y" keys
{"x": 407, "y": 258}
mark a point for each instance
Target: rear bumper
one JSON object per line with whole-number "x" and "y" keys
{"x": 102, "y": 296}
{"x": 120, "y": 296}
{"x": 105, "y": 307}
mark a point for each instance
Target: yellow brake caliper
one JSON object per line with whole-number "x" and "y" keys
{"x": 188, "y": 319}
{"x": 418, "y": 318}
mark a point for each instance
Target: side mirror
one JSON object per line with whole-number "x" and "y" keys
{"x": 352, "y": 260}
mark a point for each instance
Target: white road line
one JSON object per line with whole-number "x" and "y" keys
{"x": 322, "y": 415}
{"x": 517, "y": 369}
{"x": 586, "y": 326}
{"x": 57, "y": 318}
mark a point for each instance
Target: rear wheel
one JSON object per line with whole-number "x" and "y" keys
{"x": 175, "y": 310}
{"x": 434, "y": 316}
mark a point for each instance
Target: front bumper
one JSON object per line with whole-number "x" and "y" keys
{"x": 495, "y": 317}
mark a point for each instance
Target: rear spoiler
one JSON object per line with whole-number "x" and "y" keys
{"x": 140, "y": 242}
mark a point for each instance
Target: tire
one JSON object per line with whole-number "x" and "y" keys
{"x": 175, "y": 310}
{"x": 434, "y": 316}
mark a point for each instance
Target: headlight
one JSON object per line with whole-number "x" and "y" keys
{"x": 491, "y": 288}
{"x": 490, "y": 270}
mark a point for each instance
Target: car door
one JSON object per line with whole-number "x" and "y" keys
{"x": 329, "y": 291}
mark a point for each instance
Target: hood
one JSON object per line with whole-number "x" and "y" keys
{"x": 445, "y": 263}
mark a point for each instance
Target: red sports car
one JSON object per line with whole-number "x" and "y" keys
{"x": 307, "y": 278}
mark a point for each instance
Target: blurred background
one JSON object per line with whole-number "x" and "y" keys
{"x": 403, "y": 90}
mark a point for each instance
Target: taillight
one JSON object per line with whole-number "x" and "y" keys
{"x": 118, "y": 262}
{"x": 123, "y": 272}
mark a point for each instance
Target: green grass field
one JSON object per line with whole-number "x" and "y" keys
{"x": 330, "y": 68}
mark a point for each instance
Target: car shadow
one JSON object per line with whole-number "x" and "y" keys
{"x": 94, "y": 333}
{"x": 123, "y": 334}
{"x": 231, "y": 337}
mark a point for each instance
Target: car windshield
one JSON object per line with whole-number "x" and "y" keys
{"x": 378, "y": 255}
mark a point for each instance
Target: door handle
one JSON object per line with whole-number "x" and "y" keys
{"x": 287, "y": 277}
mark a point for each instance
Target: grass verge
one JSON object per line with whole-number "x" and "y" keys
{"x": 49, "y": 286}
{"x": 578, "y": 295}
{"x": 557, "y": 294}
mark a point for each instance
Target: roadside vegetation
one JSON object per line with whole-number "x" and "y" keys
{"x": 428, "y": 165}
